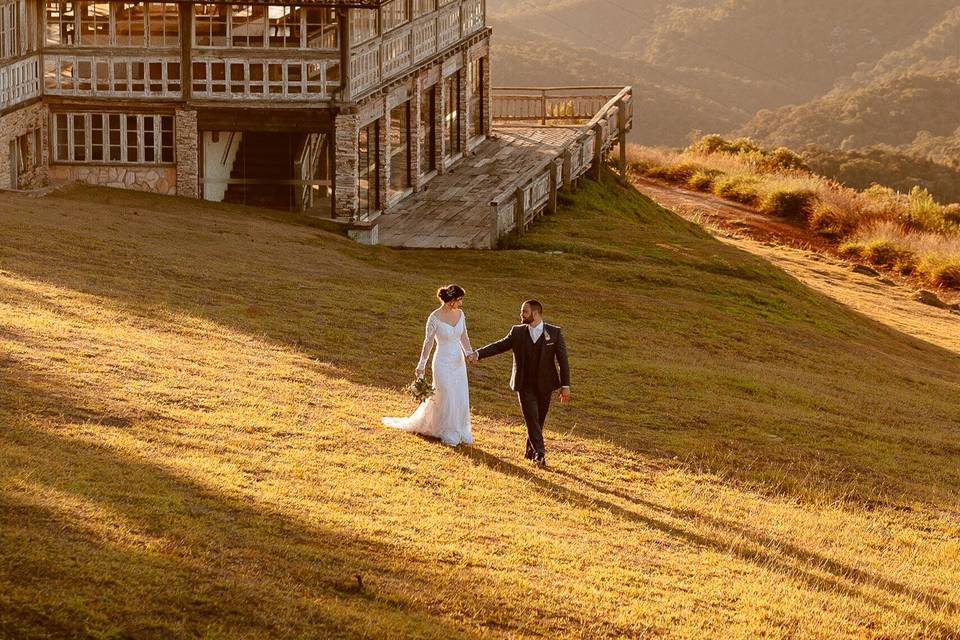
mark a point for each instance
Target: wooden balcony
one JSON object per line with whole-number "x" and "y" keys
{"x": 403, "y": 48}
{"x": 19, "y": 81}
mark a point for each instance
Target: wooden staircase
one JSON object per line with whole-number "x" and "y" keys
{"x": 265, "y": 167}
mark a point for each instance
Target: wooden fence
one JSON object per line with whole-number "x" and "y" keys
{"x": 535, "y": 192}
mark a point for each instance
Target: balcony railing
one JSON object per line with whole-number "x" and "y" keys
{"x": 515, "y": 209}
{"x": 398, "y": 51}
{"x": 19, "y": 81}
{"x": 550, "y": 105}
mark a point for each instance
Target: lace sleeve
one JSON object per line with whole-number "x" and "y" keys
{"x": 465, "y": 339}
{"x": 431, "y": 332}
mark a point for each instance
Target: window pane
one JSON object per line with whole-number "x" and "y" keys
{"x": 94, "y": 23}
{"x": 247, "y": 25}
{"x": 210, "y": 25}
{"x": 164, "y": 24}
{"x": 61, "y": 23}
{"x": 130, "y": 20}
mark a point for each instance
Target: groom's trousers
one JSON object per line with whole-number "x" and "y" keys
{"x": 534, "y": 404}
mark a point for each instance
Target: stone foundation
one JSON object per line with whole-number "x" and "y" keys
{"x": 153, "y": 179}
{"x": 24, "y": 122}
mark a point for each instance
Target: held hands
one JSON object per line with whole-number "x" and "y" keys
{"x": 472, "y": 358}
{"x": 564, "y": 394}
{"x": 421, "y": 373}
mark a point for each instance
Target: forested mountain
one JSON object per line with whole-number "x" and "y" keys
{"x": 878, "y": 80}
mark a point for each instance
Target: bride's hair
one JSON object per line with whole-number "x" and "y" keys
{"x": 450, "y": 292}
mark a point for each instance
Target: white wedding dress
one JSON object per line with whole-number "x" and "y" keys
{"x": 446, "y": 414}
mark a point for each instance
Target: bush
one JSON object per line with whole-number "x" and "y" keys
{"x": 829, "y": 219}
{"x": 744, "y": 189}
{"x": 940, "y": 271}
{"x": 924, "y": 212}
{"x": 781, "y": 160}
{"x": 951, "y": 214}
{"x": 702, "y": 179}
{"x": 792, "y": 203}
{"x": 885, "y": 253}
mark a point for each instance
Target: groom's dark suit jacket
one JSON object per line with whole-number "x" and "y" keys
{"x": 553, "y": 353}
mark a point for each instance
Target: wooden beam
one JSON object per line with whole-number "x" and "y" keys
{"x": 252, "y": 119}
{"x": 186, "y": 45}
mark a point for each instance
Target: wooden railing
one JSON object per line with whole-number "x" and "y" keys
{"x": 515, "y": 209}
{"x": 399, "y": 50}
{"x": 549, "y": 105}
{"x": 19, "y": 81}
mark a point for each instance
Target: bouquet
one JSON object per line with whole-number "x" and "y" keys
{"x": 420, "y": 389}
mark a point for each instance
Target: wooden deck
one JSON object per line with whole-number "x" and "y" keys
{"x": 454, "y": 211}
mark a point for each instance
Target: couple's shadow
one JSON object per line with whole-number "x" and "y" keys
{"x": 765, "y": 551}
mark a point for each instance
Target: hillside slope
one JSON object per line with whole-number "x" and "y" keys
{"x": 191, "y": 394}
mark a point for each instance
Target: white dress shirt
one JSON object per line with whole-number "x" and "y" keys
{"x": 535, "y": 332}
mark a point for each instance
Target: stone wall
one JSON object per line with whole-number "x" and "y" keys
{"x": 159, "y": 179}
{"x": 188, "y": 157}
{"x": 17, "y": 123}
{"x": 347, "y": 139}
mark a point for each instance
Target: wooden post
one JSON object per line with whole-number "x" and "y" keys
{"x": 519, "y": 212}
{"x": 622, "y": 142}
{"x": 567, "y": 168}
{"x": 343, "y": 24}
{"x": 597, "y": 152}
{"x": 552, "y": 203}
{"x": 186, "y": 46}
{"x": 543, "y": 106}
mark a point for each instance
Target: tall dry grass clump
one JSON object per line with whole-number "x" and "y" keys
{"x": 910, "y": 233}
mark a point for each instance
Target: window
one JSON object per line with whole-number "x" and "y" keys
{"x": 9, "y": 46}
{"x": 61, "y": 23}
{"x": 130, "y": 21}
{"x": 113, "y": 138}
{"x": 164, "y": 20}
{"x": 363, "y": 25}
{"x": 210, "y": 25}
{"x": 400, "y": 148}
{"x": 368, "y": 152}
{"x": 451, "y": 114}
{"x": 394, "y": 14}
{"x": 247, "y": 25}
{"x": 321, "y": 28}
{"x": 284, "y": 30}
{"x": 94, "y": 23}
{"x": 477, "y": 104}
{"x": 428, "y": 130}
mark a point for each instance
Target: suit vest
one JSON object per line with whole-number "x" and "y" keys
{"x": 531, "y": 362}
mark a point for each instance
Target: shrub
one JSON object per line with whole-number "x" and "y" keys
{"x": 702, "y": 179}
{"x": 792, "y": 203}
{"x": 924, "y": 212}
{"x": 951, "y": 214}
{"x": 781, "y": 160}
{"x": 744, "y": 189}
{"x": 941, "y": 271}
{"x": 886, "y": 253}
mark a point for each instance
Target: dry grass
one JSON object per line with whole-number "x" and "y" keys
{"x": 775, "y": 184}
{"x": 190, "y": 442}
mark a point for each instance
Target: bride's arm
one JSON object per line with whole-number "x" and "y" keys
{"x": 431, "y": 332}
{"x": 465, "y": 340}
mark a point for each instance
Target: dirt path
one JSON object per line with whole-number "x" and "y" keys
{"x": 814, "y": 262}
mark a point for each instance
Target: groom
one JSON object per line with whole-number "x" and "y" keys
{"x": 538, "y": 349}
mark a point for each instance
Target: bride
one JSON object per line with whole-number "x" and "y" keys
{"x": 446, "y": 414}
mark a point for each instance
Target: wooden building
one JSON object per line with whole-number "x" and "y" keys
{"x": 335, "y": 108}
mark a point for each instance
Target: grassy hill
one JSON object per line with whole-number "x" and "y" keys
{"x": 190, "y": 402}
